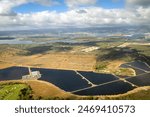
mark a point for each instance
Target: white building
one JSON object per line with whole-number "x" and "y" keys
{"x": 32, "y": 75}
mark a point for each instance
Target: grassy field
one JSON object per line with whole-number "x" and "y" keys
{"x": 11, "y": 91}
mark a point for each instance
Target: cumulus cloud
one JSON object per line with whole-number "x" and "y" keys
{"x": 81, "y": 11}
{"x": 76, "y": 17}
{"x": 76, "y": 3}
{"x": 79, "y": 18}
{"x": 7, "y": 5}
{"x": 143, "y": 3}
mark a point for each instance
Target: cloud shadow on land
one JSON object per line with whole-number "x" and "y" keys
{"x": 44, "y": 49}
{"x": 119, "y": 53}
{"x": 38, "y": 50}
{"x": 62, "y": 49}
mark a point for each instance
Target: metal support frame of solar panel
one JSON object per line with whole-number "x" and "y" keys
{"x": 65, "y": 79}
{"x": 98, "y": 78}
{"x": 114, "y": 88}
{"x": 140, "y": 80}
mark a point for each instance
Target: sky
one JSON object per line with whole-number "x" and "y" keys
{"x": 29, "y": 14}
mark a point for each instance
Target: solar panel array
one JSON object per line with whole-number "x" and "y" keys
{"x": 85, "y": 83}
{"x": 113, "y": 88}
{"x": 141, "y": 80}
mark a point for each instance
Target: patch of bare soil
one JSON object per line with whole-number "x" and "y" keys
{"x": 127, "y": 44}
{"x": 114, "y": 65}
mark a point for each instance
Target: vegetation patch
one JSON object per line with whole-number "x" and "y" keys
{"x": 124, "y": 72}
{"x": 15, "y": 91}
{"x": 101, "y": 66}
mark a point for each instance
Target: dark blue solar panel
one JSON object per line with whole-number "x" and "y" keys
{"x": 141, "y": 80}
{"x": 118, "y": 87}
{"x": 140, "y": 65}
{"x": 98, "y": 78}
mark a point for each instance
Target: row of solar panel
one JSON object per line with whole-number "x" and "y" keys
{"x": 71, "y": 81}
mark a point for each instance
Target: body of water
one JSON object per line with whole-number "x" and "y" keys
{"x": 15, "y": 41}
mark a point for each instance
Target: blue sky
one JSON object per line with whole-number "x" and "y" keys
{"x": 111, "y": 4}
{"x": 62, "y": 7}
{"x": 36, "y": 7}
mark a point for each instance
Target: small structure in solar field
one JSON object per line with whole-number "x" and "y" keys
{"x": 33, "y": 75}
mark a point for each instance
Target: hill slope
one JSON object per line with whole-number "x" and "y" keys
{"x": 36, "y": 89}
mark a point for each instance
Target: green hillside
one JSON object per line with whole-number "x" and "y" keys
{"x": 12, "y": 91}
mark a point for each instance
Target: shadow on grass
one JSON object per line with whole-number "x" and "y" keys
{"x": 44, "y": 49}
{"x": 62, "y": 49}
{"x": 118, "y": 53}
{"x": 91, "y": 43}
{"x": 38, "y": 50}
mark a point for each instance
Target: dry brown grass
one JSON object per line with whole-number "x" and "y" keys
{"x": 45, "y": 89}
{"x": 68, "y": 61}
{"x": 4, "y": 65}
{"x": 114, "y": 65}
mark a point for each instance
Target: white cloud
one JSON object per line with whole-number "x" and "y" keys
{"x": 76, "y": 3}
{"x": 90, "y": 17}
{"x": 7, "y": 5}
{"x": 45, "y": 2}
{"x": 77, "y": 17}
